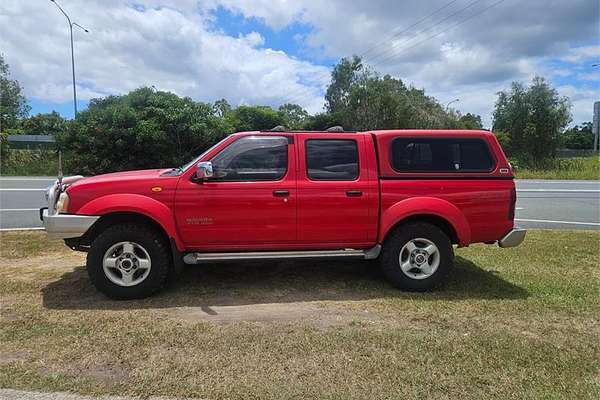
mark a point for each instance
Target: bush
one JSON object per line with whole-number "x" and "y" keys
{"x": 4, "y": 149}
{"x": 30, "y": 162}
{"x": 143, "y": 129}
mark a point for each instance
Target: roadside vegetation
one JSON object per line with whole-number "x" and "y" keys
{"x": 147, "y": 128}
{"x": 512, "y": 323}
{"x": 30, "y": 163}
{"x": 587, "y": 168}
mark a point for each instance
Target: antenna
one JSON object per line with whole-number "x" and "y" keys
{"x": 60, "y": 172}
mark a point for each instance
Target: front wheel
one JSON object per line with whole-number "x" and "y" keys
{"x": 417, "y": 256}
{"x": 128, "y": 261}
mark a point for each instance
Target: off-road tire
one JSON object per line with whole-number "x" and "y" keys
{"x": 390, "y": 256}
{"x": 151, "y": 240}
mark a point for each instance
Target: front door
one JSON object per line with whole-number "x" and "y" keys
{"x": 250, "y": 203}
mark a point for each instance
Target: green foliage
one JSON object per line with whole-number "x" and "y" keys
{"x": 324, "y": 120}
{"x": 470, "y": 121}
{"x": 13, "y": 104}
{"x": 293, "y": 116}
{"x": 142, "y": 129}
{"x": 534, "y": 117}
{"x": 30, "y": 162}
{"x": 360, "y": 99}
{"x": 249, "y": 118}
{"x": 563, "y": 168}
{"x": 578, "y": 137}
{"x": 505, "y": 141}
{"x": 4, "y": 149}
{"x": 44, "y": 124}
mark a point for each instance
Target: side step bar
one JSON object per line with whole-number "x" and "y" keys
{"x": 197, "y": 258}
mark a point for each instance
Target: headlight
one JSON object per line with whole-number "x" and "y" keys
{"x": 62, "y": 205}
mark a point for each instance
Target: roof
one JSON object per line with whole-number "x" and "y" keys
{"x": 388, "y": 132}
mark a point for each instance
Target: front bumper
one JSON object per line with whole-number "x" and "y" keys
{"x": 64, "y": 226}
{"x": 513, "y": 238}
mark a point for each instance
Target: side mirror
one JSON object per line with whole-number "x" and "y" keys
{"x": 204, "y": 170}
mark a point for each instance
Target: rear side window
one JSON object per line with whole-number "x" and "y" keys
{"x": 441, "y": 155}
{"x": 332, "y": 159}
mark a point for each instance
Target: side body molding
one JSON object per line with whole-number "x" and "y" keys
{"x": 138, "y": 204}
{"x": 429, "y": 206}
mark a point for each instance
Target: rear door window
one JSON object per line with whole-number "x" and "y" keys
{"x": 441, "y": 155}
{"x": 332, "y": 159}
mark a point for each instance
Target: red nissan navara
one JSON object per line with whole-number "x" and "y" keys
{"x": 402, "y": 196}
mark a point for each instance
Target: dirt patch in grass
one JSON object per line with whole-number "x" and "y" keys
{"x": 320, "y": 314}
{"x": 511, "y": 323}
{"x": 13, "y": 357}
{"x": 15, "y": 245}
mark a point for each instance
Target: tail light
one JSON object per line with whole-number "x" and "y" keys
{"x": 513, "y": 204}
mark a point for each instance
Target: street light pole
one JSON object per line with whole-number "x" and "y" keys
{"x": 450, "y": 102}
{"x": 71, "y": 24}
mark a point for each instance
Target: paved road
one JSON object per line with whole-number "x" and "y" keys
{"x": 540, "y": 204}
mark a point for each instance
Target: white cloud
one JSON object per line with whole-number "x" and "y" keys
{"x": 471, "y": 61}
{"x": 169, "y": 47}
{"x": 174, "y": 46}
{"x": 583, "y": 53}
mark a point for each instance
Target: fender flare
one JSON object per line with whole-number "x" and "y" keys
{"x": 426, "y": 206}
{"x": 135, "y": 203}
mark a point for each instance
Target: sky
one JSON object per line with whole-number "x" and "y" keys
{"x": 272, "y": 52}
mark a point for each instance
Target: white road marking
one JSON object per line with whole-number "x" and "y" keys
{"x": 519, "y": 208}
{"x": 549, "y": 182}
{"x": 12, "y": 178}
{"x": 37, "y": 228}
{"x": 22, "y": 190}
{"x": 558, "y": 222}
{"x": 18, "y": 209}
{"x": 561, "y": 190}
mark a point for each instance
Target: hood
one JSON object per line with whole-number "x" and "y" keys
{"x": 122, "y": 176}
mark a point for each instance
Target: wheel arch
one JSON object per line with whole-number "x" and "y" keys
{"x": 435, "y": 211}
{"x": 119, "y": 208}
{"x": 120, "y": 217}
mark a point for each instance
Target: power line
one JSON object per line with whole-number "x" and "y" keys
{"x": 395, "y": 54}
{"x": 398, "y": 34}
{"x": 440, "y": 32}
{"x": 296, "y": 93}
{"x": 390, "y": 50}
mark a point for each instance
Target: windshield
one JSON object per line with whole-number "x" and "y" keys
{"x": 186, "y": 166}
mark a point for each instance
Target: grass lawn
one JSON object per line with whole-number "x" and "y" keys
{"x": 565, "y": 168}
{"x": 519, "y": 323}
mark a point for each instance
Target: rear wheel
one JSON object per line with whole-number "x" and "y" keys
{"x": 128, "y": 261}
{"x": 417, "y": 256}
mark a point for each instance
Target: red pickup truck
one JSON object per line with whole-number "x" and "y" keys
{"x": 403, "y": 196}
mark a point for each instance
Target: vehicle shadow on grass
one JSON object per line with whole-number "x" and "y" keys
{"x": 229, "y": 284}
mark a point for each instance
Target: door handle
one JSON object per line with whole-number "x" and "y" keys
{"x": 281, "y": 193}
{"x": 353, "y": 193}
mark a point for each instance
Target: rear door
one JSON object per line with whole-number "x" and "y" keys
{"x": 336, "y": 196}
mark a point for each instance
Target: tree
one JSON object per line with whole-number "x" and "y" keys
{"x": 578, "y": 137}
{"x": 534, "y": 117}
{"x": 44, "y": 124}
{"x": 251, "y": 118}
{"x": 293, "y": 116}
{"x": 221, "y": 108}
{"x": 361, "y": 100}
{"x": 142, "y": 129}
{"x": 470, "y": 121}
{"x": 343, "y": 77}
{"x": 13, "y": 104}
